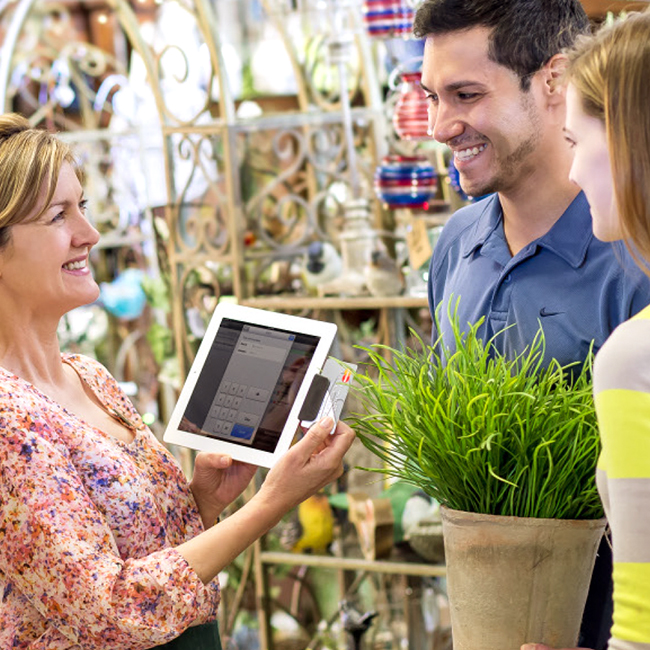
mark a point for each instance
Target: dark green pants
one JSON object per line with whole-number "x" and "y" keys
{"x": 200, "y": 637}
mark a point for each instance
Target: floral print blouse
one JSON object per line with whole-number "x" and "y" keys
{"x": 88, "y": 526}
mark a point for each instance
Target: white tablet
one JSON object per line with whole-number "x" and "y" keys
{"x": 248, "y": 382}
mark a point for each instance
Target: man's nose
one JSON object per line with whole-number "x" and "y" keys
{"x": 444, "y": 122}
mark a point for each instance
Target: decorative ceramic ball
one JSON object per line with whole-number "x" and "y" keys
{"x": 410, "y": 119}
{"x": 405, "y": 181}
{"x": 388, "y": 18}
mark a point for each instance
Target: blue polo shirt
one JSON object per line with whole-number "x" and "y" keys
{"x": 577, "y": 287}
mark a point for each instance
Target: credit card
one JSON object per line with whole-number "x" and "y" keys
{"x": 339, "y": 374}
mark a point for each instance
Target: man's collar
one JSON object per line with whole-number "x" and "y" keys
{"x": 572, "y": 233}
{"x": 568, "y": 238}
{"x": 488, "y": 220}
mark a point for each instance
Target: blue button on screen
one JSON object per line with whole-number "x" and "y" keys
{"x": 242, "y": 432}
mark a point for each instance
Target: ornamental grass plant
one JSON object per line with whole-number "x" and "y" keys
{"x": 482, "y": 433}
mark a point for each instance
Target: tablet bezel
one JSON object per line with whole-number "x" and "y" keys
{"x": 259, "y": 317}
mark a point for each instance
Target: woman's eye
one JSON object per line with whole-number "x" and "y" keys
{"x": 83, "y": 205}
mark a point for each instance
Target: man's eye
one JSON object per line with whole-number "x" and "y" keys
{"x": 570, "y": 142}
{"x": 467, "y": 96}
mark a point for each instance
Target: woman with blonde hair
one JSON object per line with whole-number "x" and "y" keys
{"x": 608, "y": 126}
{"x": 104, "y": 545}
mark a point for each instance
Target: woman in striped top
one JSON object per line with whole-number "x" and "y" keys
{"x": 608, "y": 126}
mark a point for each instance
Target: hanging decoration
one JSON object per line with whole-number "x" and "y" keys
{"x": 388, "y": 18}
{"x": 410, "y": 118}
{"x": 405, "y": 182}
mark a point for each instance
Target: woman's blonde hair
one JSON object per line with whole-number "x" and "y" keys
{"x": 611, "y": 74}
{"x": 30, "y": 160}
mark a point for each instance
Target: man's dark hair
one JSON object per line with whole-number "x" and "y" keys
{"x": 525, "y": 33}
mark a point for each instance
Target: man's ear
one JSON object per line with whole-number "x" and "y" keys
{"x": 553, "y": 78}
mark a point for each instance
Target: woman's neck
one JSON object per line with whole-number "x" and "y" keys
{"x": 33, "y": 353}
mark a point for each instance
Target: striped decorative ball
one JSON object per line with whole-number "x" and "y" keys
{"x": 405, "y": 181}
{"x": 410, "y": 118}
{"x": 388, "y": 18}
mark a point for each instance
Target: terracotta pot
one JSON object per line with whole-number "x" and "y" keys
{"x": 513, "y": 580}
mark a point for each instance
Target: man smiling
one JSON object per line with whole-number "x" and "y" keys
{"x": 526, "y": 254}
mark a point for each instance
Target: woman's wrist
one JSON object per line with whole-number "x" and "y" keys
{"x": 268, "y": 503}
{"x": 209, "y": 510}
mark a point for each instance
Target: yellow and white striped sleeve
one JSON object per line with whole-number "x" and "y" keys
{"x": 622, "y": 397}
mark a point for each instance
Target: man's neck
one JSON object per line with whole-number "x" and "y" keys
{"x": 531, "y": 209}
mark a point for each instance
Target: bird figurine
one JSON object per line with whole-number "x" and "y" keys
{"x": 419, "y": 507}
{"x": 355, "y": 623}
{"x": 382, "y": 275}
{"x": 321, "y": 266}
{"x": 311, "y": 528}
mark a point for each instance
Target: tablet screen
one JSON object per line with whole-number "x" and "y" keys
{"x": 248, "y": 384}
